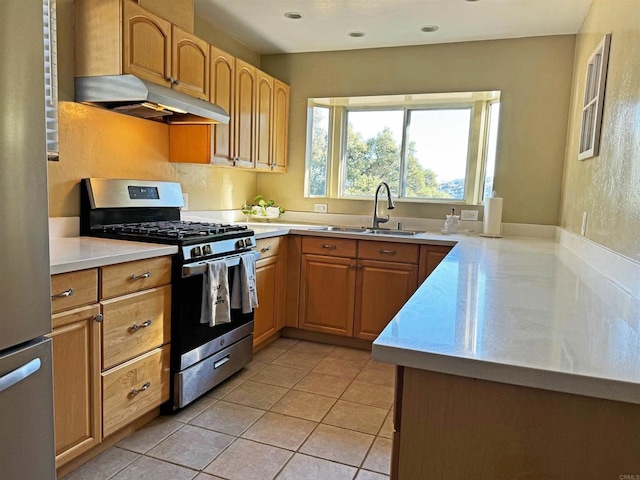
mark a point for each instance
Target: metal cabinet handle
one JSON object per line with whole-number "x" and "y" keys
{"x": 139, "y": 277}
{"x": 176, "y": 81}
{"x": 136, "y": 327}
{"x": 99, "y": 318}
{"x": 352, "y": 267}
{"x": 19, "y": 374}
{"x": 67, "y": 293}
{"x": 136, "y": 391}
{"x": 329, "y": 247}
{"x": 387, "y": 252}
{"x": 265, "y": 249}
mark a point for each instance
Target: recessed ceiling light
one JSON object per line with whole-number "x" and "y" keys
{"x": 430, "y": 28}
{"x": 357, "y": 34}
{"x": 293, "y": 15}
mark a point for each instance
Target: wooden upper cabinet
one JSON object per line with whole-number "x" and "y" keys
{"x": 178, "y": 12}
{"x": 190, "y": 64}
{"x": 146, "y": 44}
{"x": 244, "y": 115}
{"x": 280, "y": 136}
{"x": 222, "y": 93}
{"x": 264, "y": 120}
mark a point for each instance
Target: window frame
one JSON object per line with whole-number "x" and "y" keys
{"x": 476, "y": 150}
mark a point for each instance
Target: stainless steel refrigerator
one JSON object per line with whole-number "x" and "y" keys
{"x": 26, "y": 392}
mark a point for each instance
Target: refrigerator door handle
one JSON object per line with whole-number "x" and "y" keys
{"x": 19, "y": 374}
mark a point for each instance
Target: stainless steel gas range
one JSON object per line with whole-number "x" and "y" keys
{"x": 147, "y": 211}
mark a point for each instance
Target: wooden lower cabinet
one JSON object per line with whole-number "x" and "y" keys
{"x": 382, "y": 288}
{"x": 132, "y": 389}
{"x": 265, "y": 315}
{"x": 76, "y": 382}
{"x": 430, "y": 258}
{"x": 327, "y": 294}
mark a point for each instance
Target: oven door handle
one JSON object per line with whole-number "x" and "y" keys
{"x": 201, "y": 267}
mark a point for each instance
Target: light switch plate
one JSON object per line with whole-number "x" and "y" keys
{"x": 469, "y": 215}
{"x": 320, "y": 208}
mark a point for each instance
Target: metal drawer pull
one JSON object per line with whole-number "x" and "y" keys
{"x": 329, "y": 247}
{"x": 135, "y": 326}
{"x": 265, "y": 249}
{"x": 138, "y": 277}
{"x": 68, "y": 293}
{"x": 136, "y": 391}
{"x": 221, "y": 362}
{"x": 388, "y": 252}
{"x": 352, "y": 266}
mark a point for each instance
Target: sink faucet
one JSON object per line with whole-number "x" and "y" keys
{"x": 390, "y": 206}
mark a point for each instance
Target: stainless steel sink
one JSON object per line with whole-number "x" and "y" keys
{"x": 345, "y": 229}
{"x": 406, "y": 233}
{"x": 371, "y": 231}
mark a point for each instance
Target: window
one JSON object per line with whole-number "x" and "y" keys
{"x": 429, "y": 147}
{"x": 593, "y": 100}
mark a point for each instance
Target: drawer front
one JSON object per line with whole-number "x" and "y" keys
{"x": 335, "y": 247}
{"x": 268, "y": 247}
{"x": 134, "y": 388}
{"x": 132, "y": 277}
{"x": 74, "y": 289}
{"x": 388, "y": 251}
{"x": 135, "y": 324}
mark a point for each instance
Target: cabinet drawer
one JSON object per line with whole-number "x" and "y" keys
{"x": 268, "y": 247}
{"x": 135, "y": 324}
{"x": 74, "y": 289}
{"x": 132, "y": 277}
{"x": 388, "y": 251}
{"x": 335, "y": 247}
{"x": 134, "y": 388}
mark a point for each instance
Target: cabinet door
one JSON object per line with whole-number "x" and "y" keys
{"x": 245, "y": 108}
{"x": 222, "y": 93}
{"x": 146, "y": 49}
{"x": 430, "y": 257}
{"x": 264, "y": 119}
{"x": 382, "y": 288}
{"x": 280, "y": 137}
{"x": 327, "y": 294}
{"x": 76, "y": 382}
{"x": 265, "y": 314}
{"x": 190, "y": 66}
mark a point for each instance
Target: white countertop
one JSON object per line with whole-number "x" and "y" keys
{"x": 520, "y": 311}
{"x": 68, "y": 254}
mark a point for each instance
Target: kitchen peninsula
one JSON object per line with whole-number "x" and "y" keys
{"x": 515, "y": 360}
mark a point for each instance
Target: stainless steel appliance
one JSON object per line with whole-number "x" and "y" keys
{"x": 26, "y": 393}
{"x": 148, "y": 211}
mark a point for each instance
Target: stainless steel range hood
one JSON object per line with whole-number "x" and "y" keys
{"x": 131, "y": 95}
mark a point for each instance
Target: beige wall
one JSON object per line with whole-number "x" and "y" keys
{"x": 216, "y": 37}
{"x": 607, "y": 187}
{"x": 98, "y": 143}
{"x": 534, "y": 75}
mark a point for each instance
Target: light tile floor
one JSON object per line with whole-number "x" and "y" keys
{"x": 300, "y": 410}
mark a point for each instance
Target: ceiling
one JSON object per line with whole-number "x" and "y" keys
{"x": 261, "y": 25}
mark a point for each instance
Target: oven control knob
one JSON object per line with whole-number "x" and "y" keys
{"x": 247, "y": 242}
{"x": 240, "y": 243}
{"x": 206, "y": 250}
{"x": 196, "y": 252}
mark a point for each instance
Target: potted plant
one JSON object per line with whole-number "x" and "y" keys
{"x": 262, "y": 209}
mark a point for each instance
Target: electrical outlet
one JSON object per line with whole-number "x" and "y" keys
{"x": 583, "y": 229}
{"x": 469, "y": 215}
{"x": 185, "y": 199}
{"x": 320, "y": 208}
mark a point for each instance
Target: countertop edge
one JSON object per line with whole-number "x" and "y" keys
{"x": 521, "y": 375}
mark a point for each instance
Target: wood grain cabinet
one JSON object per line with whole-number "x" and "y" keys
{"x": 115, "y": 37}
{"x": 257, "y": 134}
{"x": 355, "y": 287}
{"x": 111, "y": 336}
{"x": 76, "y": 381}
{"x": 270, "y": 279}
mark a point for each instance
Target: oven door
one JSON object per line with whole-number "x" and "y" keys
{"x": 203, "y": 356}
